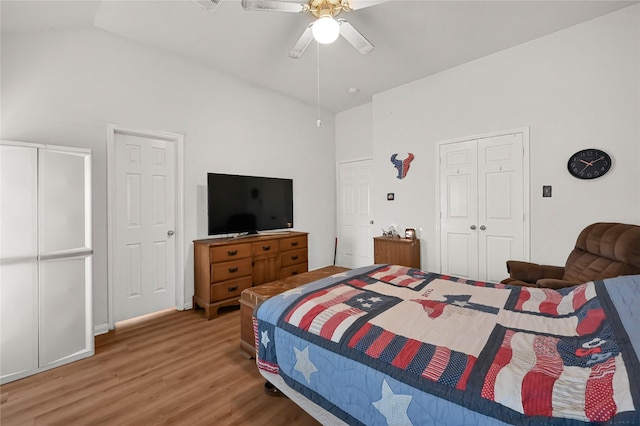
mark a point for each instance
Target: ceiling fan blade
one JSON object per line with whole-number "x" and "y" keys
{"x": 302, "y": 43}
{"x": 354, "y": 37}
{"x": 361, "y": 4}
{"x": 209, "y": 5}
{"x": 273, "y": 6}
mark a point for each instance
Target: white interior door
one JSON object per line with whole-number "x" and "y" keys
{"x": 500, "y": 204}
{"x": 144, "y": 247}
{"x": 18, "y": 260}
{"x": 482, "y": 202}
{"x": 459, "y": 209}
{"x": 355, "y": 214}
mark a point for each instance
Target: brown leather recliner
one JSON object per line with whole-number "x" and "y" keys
{"x": 603, "y": 250}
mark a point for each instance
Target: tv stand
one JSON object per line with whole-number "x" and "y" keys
{"x": 224, "y": 267}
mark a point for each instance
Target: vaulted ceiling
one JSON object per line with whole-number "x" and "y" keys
{"x": 412, "y": 38}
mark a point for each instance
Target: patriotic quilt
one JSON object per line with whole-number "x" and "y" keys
{"x": 386, "y": 344}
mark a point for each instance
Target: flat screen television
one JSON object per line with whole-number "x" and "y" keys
{"x": 248, "y": 204}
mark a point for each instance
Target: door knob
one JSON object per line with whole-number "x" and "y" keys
{"x": 170, "y": 232}
{"x": 371, "y": 222}
{"x": 473, "y": 227}
{"x": 482, "y": 227}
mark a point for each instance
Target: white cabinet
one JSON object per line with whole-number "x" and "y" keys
{"x": 45, "y": 258}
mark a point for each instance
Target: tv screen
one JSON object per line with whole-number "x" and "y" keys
{"x": 238, "y": 204}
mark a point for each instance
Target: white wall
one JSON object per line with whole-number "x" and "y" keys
{"x": 64, "y": 87}
{"x": 354, "y": 133}
{"x": 577, "y": 88}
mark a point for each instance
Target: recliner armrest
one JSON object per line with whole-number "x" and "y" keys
{"x": 555, "y": 284}
{"x": 532, "y": 272}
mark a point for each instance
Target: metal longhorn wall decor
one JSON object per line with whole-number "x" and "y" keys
{"x": 402, "y": 165}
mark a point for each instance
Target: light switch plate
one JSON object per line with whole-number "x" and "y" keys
{"x": 546, "y": 190}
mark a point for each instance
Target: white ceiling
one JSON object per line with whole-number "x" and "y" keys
{"x": 412, "y": 38}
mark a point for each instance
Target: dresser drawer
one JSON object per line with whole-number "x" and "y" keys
{"x": 290, "y": 271}
{"x": 293, "y": 243}
{"x": 265, "y": 247}
{"x": 230, "y": 252}
{"x": 293, "y": 257}
{"x": 229, "y": 289}
{"x": 231, "y": 270}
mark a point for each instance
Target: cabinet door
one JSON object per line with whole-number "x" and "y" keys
{"x": 64, "y": 201}
{"x": 19, "y": 202}
{"x": 18, "y": 320}
{"x": 65, "y": 323}
{"x": 265, "y": 269}
{"x": 18, "y": 262}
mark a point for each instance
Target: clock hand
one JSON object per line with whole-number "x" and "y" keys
{"x": 597, "y": 160}
{"x": 586, "y": 162}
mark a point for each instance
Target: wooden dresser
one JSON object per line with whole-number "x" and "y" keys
{"x": 223, "y": 267}
{"x": 397, "y": 251}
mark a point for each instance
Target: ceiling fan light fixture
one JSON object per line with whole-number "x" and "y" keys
{"x": 326, "y": 30}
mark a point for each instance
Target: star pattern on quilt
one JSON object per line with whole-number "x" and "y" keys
{"x": 393, "y": 407}
{"x": 292, "y": 292}
{"x": 339, "y": 275}
{"x": 265, "y": 338}
{"x": 304, "y": 364}
{"x": 366, "y": 303}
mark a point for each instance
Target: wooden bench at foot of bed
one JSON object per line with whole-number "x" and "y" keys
{"x": 252, "y": 297}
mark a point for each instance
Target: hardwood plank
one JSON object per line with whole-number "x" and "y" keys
{"x": 174, "y": 368}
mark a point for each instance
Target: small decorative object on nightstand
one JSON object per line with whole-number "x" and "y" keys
{"x": 397, "y": 251}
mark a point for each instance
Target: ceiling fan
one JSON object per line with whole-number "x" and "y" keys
{"x": 325, "y": 29}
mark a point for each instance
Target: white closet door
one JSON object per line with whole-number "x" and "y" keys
{"x": 482, "y": 206}
{"x": 18, "y": 261}
{"x": 66, "y": 326}
{"x": 459, "y": 209}
{"x": 500, "y": 204}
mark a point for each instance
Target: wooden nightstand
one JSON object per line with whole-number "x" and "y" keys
{"x": 397, "y": 251}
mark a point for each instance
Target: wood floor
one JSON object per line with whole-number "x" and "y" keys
{"x": 176, "y": 368}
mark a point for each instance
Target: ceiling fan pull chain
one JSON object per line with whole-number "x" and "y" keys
{"x": 318, "y": 122}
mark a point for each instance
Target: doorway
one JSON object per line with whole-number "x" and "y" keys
{"x": 145, "y": 231}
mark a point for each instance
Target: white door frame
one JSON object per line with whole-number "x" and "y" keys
{"x": 178, "y": 140}
{"x": 525, "y": 184}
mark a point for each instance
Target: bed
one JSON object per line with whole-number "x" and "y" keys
{"x": 386, "y": 344}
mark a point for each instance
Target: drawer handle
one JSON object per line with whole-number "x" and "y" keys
{"x": 232, "y": 270}
{"x": 266, "y": 248}
{"x": 232, "y": 253}
{"x": 294, "y": 257}
{"x": 294, "y": 273}
{"x": 231, "y": 289}
{"x": 294, "y": 244}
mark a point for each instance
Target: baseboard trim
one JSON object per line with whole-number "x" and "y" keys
{"x": 100, "y": 329}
